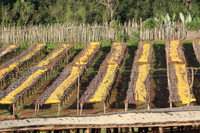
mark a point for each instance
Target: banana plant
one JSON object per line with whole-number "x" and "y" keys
{"x": 188, "y": 18}
{"x": 166, "y": 19}
{"x": 182, "y": 18}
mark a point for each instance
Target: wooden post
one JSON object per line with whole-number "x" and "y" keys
{"x": 141, "y": 35}
{"x": 126, "y": 107}
{"x": 81, "y": 111}
{"x": 38, "y": 109}
{"x": 88, "y": 130}
{"x": 170, "y": 104}
{"x": 35, "y": 109}
{"x": 148, "y": 106}
{"x": 78, "y": 90}
{"x": 59, "y": 108}
{"x": 67, "y": 57}
{"x": 161, "y": 129}
{"x": 190, "y": 87}
{"x": 13, "y": 109}
{"x": 104, "y": 107}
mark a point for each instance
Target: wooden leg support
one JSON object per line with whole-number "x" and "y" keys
{"x": 38, "y": 108}
{"x": 13, "y": 109}
{"x": 81, "y": 111}
{"x": 126, "y": 107}
{"x": 148, "y": 106}
{"x": 88, "y": 130}
{"x": 35, "y": 109}
{"x": 171, "y": 106}
{"x": 104, "y": 108}
{"x": 59, "y": 109}
{"x": 161, "y": 129}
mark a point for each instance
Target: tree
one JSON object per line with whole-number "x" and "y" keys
{"x": 22, "y": 12}
{"x": 6, "y": 15}
{"x": 111, "y": 7}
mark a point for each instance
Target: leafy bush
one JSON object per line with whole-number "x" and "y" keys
{"x": 24, "y": 46}
{"x": 150, "y": 23}
{"x": 193, "y": 25}
{"x": 106, "y": 43}
{"x": 134, "y": 38}
{"x": 115, "y": 25}
{"x": 79, "y": 46}
{"x": 122, "y": 37}
{"x": 51, "y": 46}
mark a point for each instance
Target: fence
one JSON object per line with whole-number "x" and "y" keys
{"x": 87, "y": 33}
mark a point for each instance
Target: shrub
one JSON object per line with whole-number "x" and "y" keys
{"x": 134, "y": 38}
{"x": 51, "y": 46}
{"x": 193, "y": 25}
{"x": 106, "y": 43}
{"x": 122, "y": 37}
{"x": 150, "y": 23}
{"x": 115, "y": 25}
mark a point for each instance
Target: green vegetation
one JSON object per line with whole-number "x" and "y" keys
{"x": 24, "y": 46}
{"x": 193, "y": 25}
{"x": 51, "y": 46}
{"x": 106, "y": 44}
{"x": 34, "y": 12}
{"x": 150, "y": 23}
{"x": 134, "y": 39}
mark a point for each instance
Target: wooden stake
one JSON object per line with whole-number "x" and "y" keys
{"x": 38, "y": 109}
{"x": 170, "y": 104}
{"x": 59, "y": 109}
{"x": 81, "y": 111}
{"x": 126, "y": 107}
{"x": 148, "y": 106}
{"x": 88, "y": 130}
{"x": 161, "y": 129}
{"x": 78, "y": 91}
{"x": 35, "y": 109}
{"x": 190, "y": 87}
{"x": 104, "y": 108}
{"x": 13, "y": 109}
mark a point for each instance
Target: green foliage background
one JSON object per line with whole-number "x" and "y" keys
{"x": 34, "y": 12}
